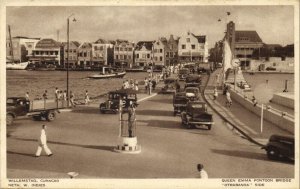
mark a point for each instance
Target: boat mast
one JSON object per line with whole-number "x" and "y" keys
{"x": 11, "y": 45}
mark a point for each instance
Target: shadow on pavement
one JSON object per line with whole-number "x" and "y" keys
{"x": 155, "y": 112}
{"x": 162, "y": 124}
{"x": 105, "y": 148}
{"x": 18, "y": 153}
{"x": 248, "y": 155}
{"x": 86, "y": 110}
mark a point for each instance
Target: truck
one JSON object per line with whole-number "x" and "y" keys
{"x": 37, "y": 109}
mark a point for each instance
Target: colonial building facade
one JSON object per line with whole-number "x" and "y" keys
{"x": 47, "y": 51}
{"x": 102, "y": 53}
{"x": 243, "y": 44}
{"x": 143, "y": 53}
{"x": 159, "y": 51}
{"x": 192, "y": 48}
{"x": 85, "y": 55}
{"x": 20, "y": 48}
{"x": 171, "y": 52}
{"x": 73, "y": 54}
{"x": 123, "y": 53}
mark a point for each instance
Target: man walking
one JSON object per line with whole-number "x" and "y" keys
{"x": 43, "y": 143}
{"x": 202, "y": 172}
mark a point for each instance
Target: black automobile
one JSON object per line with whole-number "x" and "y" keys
{"x": 183, "y": 73}
{"x": 193, "y": 80}
{"x": 280, "y": 147}
{"x": 193, "y": 93}
{"x": 112, "y": 104}
{"x": 179, "y": 102}
{"x": 196, "y": 115}
{"x": 170, "y": 85}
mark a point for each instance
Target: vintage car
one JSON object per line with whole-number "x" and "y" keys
{"x": 193, "y": 93}
{"x": 170, "y": 85}
{"x": 280, "y": 147}
{"x": 112, "y": 104}
{"x": 196, "y": 115}
{"x": 193, "y": 80}
{"x": 179, "y": 102}
{"x": 183, "y": 73}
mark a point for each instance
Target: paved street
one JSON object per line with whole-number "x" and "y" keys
{"x": 83, "y": 141}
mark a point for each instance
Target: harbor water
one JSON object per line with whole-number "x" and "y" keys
{"x": 18, "y": 82}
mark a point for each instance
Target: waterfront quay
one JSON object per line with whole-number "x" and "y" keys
{"x": 83, "y": 140}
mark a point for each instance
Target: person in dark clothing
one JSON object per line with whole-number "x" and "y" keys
{"x": 153, "y": 84}
{"x": 177, "y": 86}
{"x": 131, "y": 119}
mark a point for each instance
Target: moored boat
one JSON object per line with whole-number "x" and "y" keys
{"x": 108, "y": 73}
{"x": 16, "y": 66}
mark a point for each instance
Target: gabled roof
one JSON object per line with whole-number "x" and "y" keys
{"x": 252, "y": 36}
{"x": 85, "y": 44}
{"x": 200, "y": 38}
{"x": 147, "y": 44}
{"x": 101, "y": 41}
{"x": 48, "y": 43}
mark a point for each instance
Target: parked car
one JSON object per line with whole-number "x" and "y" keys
{"x": 112, "y": 104}
{"x": 279, "y": 147}
{"x": 193, "y": 93}
{"x": 183, "y": 73}
{"x": 193, "y": 80}
{"x": 271, "y": 69}
{"x": 170, "y": 85}
{"x": 196, "y": 115}
{"x": 179, "y": 102}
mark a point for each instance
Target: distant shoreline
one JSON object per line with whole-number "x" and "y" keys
{"x": 269, "y": 72}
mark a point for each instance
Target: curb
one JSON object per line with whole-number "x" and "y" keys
{"x": 227, "y": 120}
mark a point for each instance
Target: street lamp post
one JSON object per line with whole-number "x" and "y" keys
{"x": 68, "y": 49}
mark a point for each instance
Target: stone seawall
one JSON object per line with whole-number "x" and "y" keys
{"x": 284, "y": 99}
{"x": 285, "y": 122}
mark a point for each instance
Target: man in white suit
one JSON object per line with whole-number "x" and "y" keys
{"x": 43, "y": 143}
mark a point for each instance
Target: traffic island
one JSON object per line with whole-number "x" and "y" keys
{"x": 128, "y": 145}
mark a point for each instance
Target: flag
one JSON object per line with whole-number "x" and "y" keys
{"x": 227, "y": 58}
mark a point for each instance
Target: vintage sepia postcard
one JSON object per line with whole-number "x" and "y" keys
{"x": 149, "y": 94}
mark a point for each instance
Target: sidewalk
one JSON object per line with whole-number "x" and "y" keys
{"x": 240, "y": 118}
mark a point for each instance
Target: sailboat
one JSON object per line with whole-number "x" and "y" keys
{"x": 12, "y": 64}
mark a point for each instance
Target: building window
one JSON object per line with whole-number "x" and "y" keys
{"x": 183, "y": 46}
{"x": 167, "y": 54}
{"x": 160, "y": 58}
{"x": 144, "y": 56}
{"x": 116, "y": 48}
{"x": 193, "y": 46}
{"x": 148, "y": 55}
{"x": 129, "y": 49}
{"x": 117, "y": 57}
{"x": 101, "y": 48}
{"x": 160, "y": 50}
{"x": 137, "y": 55}
{"x": 125, "y": 57}
{"x": 129, "y": 57}
{"x": 188, "y": 40}
{"x": 121, "y": 57}
{"x": 84, "y": 54}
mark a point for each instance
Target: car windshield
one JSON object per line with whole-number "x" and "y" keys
{"x": 190, "y": 90}
{"x": 10, "y": 101}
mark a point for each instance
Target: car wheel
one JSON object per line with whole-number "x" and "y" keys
{"x": 9, "y": 119}
{"x": 209, "y": 127}
{"x": 272, "y": 153}
{"x": 50, "y": 116}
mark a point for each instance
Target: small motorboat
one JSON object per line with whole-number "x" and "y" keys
{"x": 108, "y": 72}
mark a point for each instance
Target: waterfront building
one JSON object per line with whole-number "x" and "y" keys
{"x": 192, "y": 48}
{"x": 171, "y": 52}
{"x": 102, "y": 53}
{"x": 47, "y": 51}
{"x": 159, "y": 51}
{"x": 243, "y": 43}
{"x": 20, "y": 48}
{"x": 85, "y": 55}
{"x": 73, "y": 54}
{"x": 143, "y": 53}
{"x": 123, "y": 53}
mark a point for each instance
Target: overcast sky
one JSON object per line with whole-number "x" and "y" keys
{"x": 274, "y": 24}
